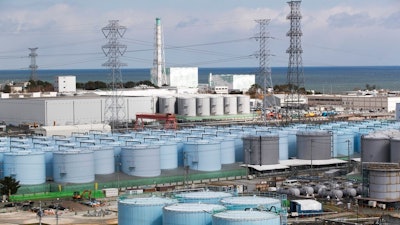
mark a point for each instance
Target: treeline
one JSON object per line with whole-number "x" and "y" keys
{"x": 94, "y": 85}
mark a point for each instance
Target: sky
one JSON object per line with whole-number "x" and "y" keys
{"x": 199, "y": 33}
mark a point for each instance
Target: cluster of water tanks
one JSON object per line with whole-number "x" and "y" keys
{"x": 147, "y": 153}
{"x": 205, "y": 105}
{"x": 199, "y": 208}
{"x": 326, "y": 190}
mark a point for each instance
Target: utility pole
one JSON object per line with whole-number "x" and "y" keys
{"x": 33, "y": 65}
{"x": 295, "y": 73}
{"x": 263, "y": 75}
{"x": 114, "y": 112}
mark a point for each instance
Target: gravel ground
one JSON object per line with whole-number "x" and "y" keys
{"x": 75, "y": 213}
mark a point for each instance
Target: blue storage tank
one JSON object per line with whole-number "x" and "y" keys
{"x": 283, "y": 145}
{"x": 343, "y": 144}
{"x": 141, "y": 160}
{"x": 27, "y": 167}
{"x": 190, "y": 213}
{"x": 168, "y": 154}
{"x": 73, "y": 166}
{"x": 103, "y": 159}
{"x": 3, "y": 150}
{"x": 48, "y": 157}
{"x": 243, "y": 202}
{"x": 246, "y": 218}
{"x": 143, "y": 211}
{"x": 209, "y": 197}
{"x": 179, "y": 149}
{"x": 202, "y": 155}
{"x": 117, "y": 153}
{"x": 227, "y": 149}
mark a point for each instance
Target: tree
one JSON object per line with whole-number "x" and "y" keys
{"x": 9, "y": 186}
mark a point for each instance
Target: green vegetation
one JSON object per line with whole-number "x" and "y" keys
{"x": 9, "y": 186}
{"x": 36, "y": 86}
{"x": 94, "y": 85}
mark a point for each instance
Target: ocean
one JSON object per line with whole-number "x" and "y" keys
{"x": 321, "y": 79}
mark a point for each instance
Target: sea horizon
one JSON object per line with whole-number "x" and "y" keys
{"x": 324, "y": 79}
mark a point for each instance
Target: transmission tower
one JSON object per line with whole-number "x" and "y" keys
{"x": 295, "y": 73}
{"x": 33, "y": 65}
{"x": 158, "y": 73}
{"x": 114, "y": 112}
{"x": 263, "y": 75}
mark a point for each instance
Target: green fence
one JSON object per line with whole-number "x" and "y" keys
{"x": 53, "y": 190}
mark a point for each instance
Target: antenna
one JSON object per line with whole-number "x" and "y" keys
{"x": 114, "y": 112}
{"x": 158, "y": 72}
{"x": 33, "y": 65}
{"x": 295, "y": 73}
{"x": 263, "y": 75}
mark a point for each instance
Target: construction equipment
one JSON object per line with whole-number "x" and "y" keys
{"x": 170, "y": 119}
{"x": 78, "y": 196}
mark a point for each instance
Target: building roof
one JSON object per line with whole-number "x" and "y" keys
{"x": 309, "y": 205}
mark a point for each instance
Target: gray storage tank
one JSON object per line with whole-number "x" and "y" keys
{"x": 73, "y": 166}
{"x": 246, "y": 218}
{"x": 190, "y": 213}
{"x": 187, "y": 106}
{"x": 395, "y": 150}
{"x": 166, "y": 104}
{"x": 384, "y": 183}
{"x": 141, "y": 160}
{"x": 261, "y": 150}
{"x": 243, "y": 104}
{"x": 216, "y": 105}
{"x": 315, "y": 145}
{"x": 230, "y": 105}
{"x": 143, "y": 211}
{"x": 375, "y": 147}
{"x": 202, "y": 106}
{"x": 27, "y": 167}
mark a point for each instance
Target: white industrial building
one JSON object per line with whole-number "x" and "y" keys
{"x": 234, "y": 82}
{"x": 183, "y": 77}
{"x": 65, "y": 84}
{"x": 68, "y": 110}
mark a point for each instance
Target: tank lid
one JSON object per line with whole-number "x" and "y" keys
{"x": 249, "y": 200}
{"x": 194, "y": 207}
{"x": 246, "y": 215}
{"x": 204, "y": 194}
{"x": 148, "y": 201}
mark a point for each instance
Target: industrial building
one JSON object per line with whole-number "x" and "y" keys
{"x": 183, "y": 77}
{"x": 65, "y": 84}
{"x": 233, "y": 82}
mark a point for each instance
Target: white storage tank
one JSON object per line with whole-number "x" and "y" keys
{"x": 27, "y": 167}
{"x": 209, "y": 197}
{"x": 143, "y": 211}
{"x": 190, "y": 213}
{"x": 141, "y": 160}
{"x": 187, "y": 106}
{"x": 166, "y": 104}
{"x": 73, "y": 166}
{"x": 243, "y": 104}
{"x": 230, "y": 105}
{"x": 217, "y": 105}
{"x": 202, "y": 106}
{"x": 202, "y": 155}
{"x": 246, "y": 218}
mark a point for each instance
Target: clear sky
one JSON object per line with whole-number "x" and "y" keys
{"x": 203, "y": 33}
